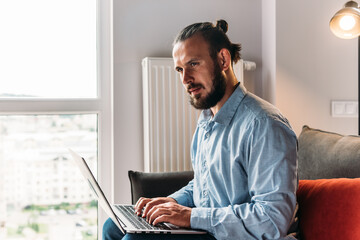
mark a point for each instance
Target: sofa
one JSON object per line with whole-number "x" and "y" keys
{"x": 329, "y": 185}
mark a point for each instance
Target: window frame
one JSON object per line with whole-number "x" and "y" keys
{"x": 102, "y": 105}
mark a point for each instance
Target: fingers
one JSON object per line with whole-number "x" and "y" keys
{"x": 159, "y": 210}
{"x": 151, "y": 204}
{"x": 145, "y": 204}
{"x": 169, "y": 212}
{"x": 162, "y": 218}
{"x": 163, "y": 209}
{"x": 140, "y": 205}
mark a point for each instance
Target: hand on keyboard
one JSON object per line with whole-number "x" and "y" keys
{"x": 163, "y": 209}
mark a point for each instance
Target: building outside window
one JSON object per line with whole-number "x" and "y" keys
{"x": 42, "y": 193}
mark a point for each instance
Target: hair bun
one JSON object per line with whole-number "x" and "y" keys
{"x": 222, "y": 24}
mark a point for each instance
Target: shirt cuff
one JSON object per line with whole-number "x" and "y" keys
{"x": 180, "y": 198}
{"x": 200, "y": 218}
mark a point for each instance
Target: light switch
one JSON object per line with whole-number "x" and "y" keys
{"x": 344, "y": 108}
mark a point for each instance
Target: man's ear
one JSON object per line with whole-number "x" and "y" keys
{"x": 224, "y": 58}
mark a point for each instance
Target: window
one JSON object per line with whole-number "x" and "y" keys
{"x": 48, "y": 48}
{"x": 31, "y": 170}
{"x": 56, "y": 93}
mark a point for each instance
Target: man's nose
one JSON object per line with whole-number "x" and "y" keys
{"x": 186, "y": 77}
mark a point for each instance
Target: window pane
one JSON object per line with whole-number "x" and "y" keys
{"x": 48, "y": 49}
{"x": 42, "y": 192}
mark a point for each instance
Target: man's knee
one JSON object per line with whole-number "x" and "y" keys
{"x": 111, "y": 231}
{"x": 142, "y": 236}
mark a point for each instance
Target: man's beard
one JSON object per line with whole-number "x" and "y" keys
{"x": 216, "y": 94}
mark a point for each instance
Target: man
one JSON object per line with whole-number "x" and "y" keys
{"x": 243, "y": 151}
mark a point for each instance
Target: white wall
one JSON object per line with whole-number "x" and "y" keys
{"x": 313, "y": 66}
{"x": 268, "y": 26}
{"x": 301, "y": 65}
{"x": 147, "y": 28}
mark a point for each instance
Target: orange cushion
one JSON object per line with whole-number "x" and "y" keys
{"x": 329, "y": 209}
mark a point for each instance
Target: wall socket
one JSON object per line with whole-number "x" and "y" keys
{"x": 344, "y": 109}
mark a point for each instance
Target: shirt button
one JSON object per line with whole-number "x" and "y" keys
{"x": 207, "y": 135}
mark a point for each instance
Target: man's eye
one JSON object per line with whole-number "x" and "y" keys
{"x": 193, "y": 64}
{"x": 179, "y": 70}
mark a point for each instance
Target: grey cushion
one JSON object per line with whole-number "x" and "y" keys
{"x": 157, "y": 184}
{"x": 328, "y": 155}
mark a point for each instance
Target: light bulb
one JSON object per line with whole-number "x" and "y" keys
{"x": 347, "y": 22}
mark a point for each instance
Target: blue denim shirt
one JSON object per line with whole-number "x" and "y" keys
{"x": 245, "y": 171}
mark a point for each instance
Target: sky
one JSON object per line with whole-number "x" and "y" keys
{"x": 49, "y": 54}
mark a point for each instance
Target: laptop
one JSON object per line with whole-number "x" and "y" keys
{"x": 124, "y": 215}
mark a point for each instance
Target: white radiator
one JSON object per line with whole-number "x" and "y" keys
{"x": 169, "y": 119}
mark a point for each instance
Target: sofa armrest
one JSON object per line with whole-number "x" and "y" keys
{"x": 157, "y": 184}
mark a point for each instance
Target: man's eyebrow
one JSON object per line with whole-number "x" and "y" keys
{"x": 187, "y": 63}
{"x": 192, "y": 60}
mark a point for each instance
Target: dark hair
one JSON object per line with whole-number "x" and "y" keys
{"x": 215, "y": 36}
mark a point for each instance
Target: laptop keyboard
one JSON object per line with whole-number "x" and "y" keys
{"x": 137, "y": 221}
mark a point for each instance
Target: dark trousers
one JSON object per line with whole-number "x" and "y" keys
{"x": 112, "y": 232}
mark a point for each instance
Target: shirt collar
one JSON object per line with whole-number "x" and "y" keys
{"x": 227, "y": 111}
